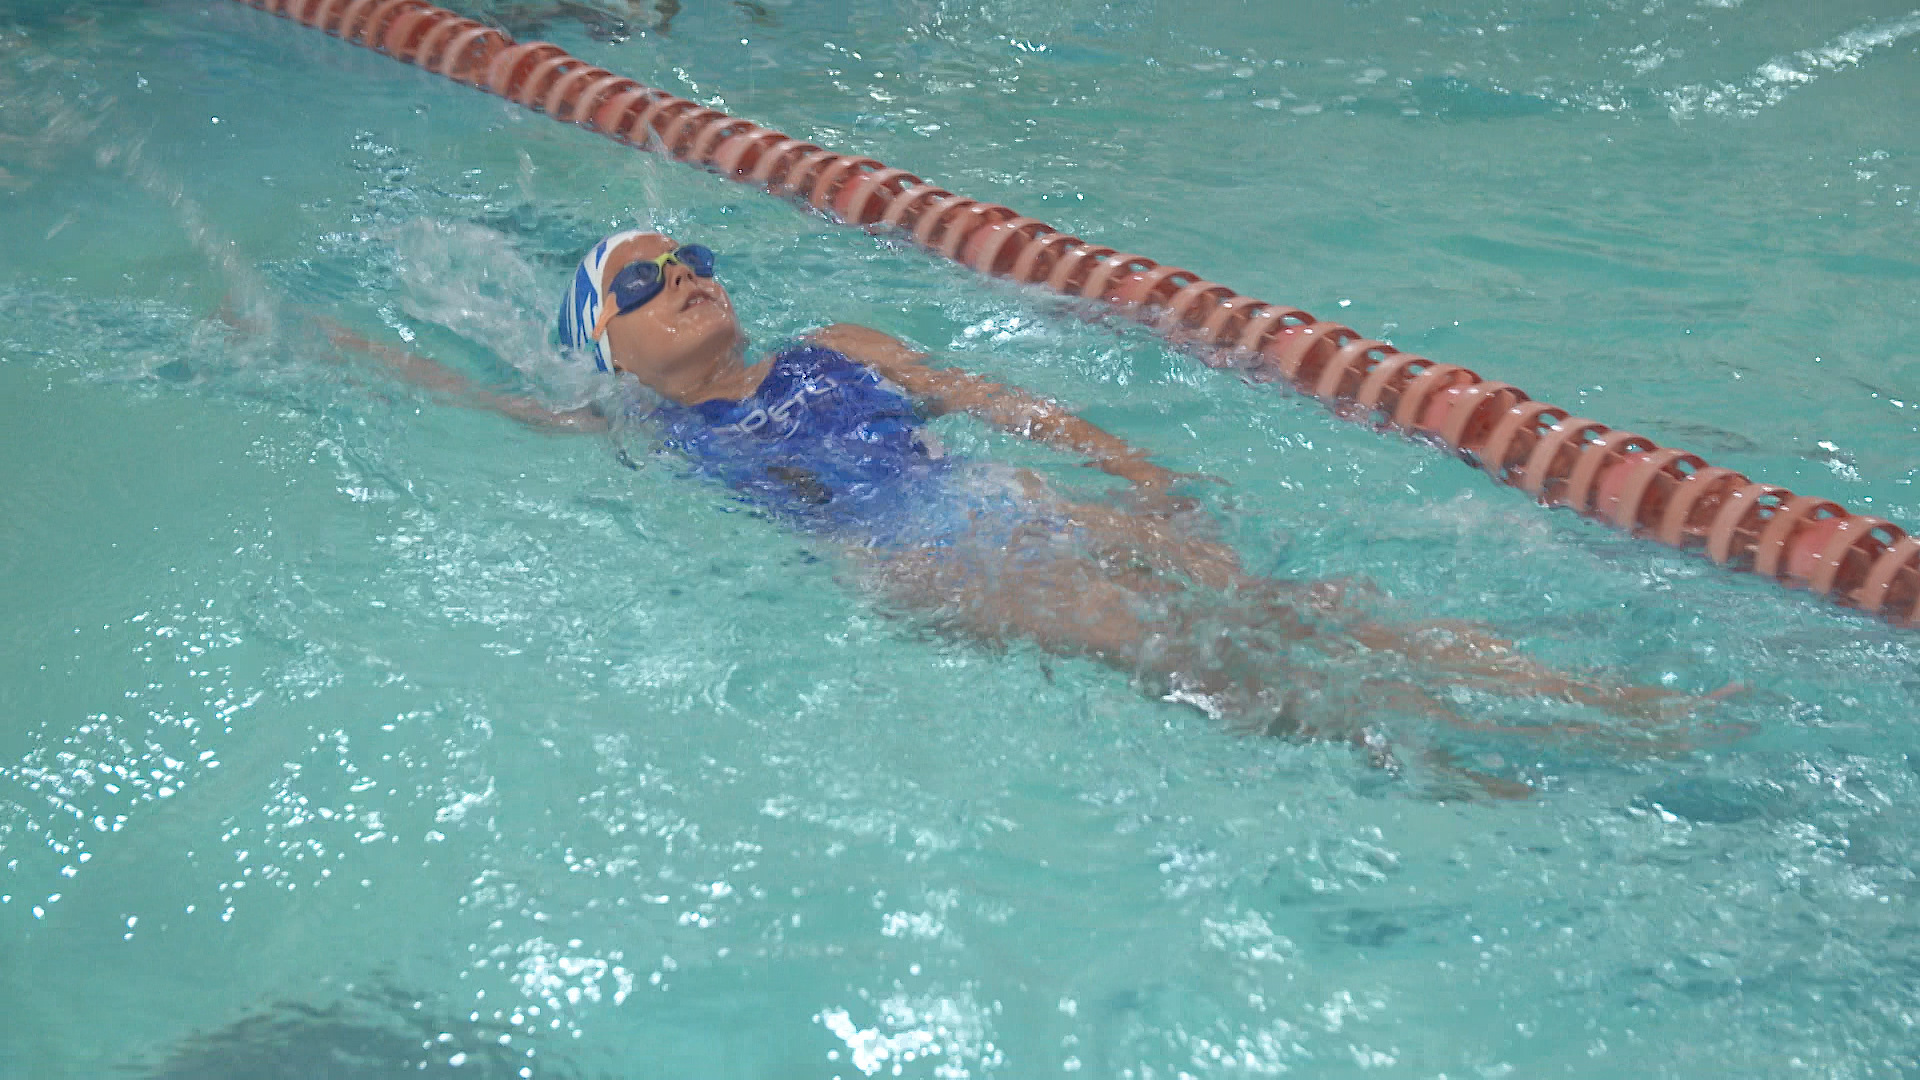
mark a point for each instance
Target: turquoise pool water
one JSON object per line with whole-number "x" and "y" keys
{"x": 497, "y": 756}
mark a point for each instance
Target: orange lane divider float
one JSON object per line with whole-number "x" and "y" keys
{"x": 1618, "y": 477}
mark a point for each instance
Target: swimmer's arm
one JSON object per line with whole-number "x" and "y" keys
{"x": 1009, "y": 408}
{"x": 443, "y": 380}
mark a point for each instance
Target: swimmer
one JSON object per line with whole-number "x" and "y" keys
{"x": 829, "y": 434}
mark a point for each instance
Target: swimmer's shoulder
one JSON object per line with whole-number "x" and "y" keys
{"x": 882, "y": 352}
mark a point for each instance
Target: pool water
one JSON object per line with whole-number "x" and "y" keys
{"x": 344, "y": 729}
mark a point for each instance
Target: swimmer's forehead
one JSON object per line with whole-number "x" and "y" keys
{"x": 644, "y": 246}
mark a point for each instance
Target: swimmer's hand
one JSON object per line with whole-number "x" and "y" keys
{"x": 1135, "y": 469}
{"x": 1152, "y": 485}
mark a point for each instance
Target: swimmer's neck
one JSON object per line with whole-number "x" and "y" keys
{"x": 728, "y": 378}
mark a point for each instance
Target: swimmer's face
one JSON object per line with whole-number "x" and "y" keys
{"x": 676, "y": 335}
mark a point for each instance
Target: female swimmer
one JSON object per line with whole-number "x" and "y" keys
{"x": 829, "y": 435}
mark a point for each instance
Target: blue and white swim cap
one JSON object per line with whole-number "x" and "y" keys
{"x": 580, "y": 309}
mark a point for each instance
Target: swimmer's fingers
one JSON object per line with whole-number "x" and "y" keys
{"x": 1158, "y": 491}
{"x": 1184, "y": 504}
{"x": 1150, "y": 488}
{"x": 1449, "y": 774}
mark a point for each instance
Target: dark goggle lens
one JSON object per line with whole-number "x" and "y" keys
{"x": 695, "y": 257}
{"x": 636, "y": 285}
{"x": 640, "y": 282}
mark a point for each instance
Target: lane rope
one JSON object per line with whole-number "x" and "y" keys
{"x": 1617, "y": 477}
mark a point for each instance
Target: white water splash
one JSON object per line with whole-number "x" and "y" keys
{"x": 471, "y": 280}
{"x": 562, "y": 978}
{"x": 50, "y": 116}
{"x": 953, "y": 1036}
{"x": 1777, "y": 78}
{"x": 250, "y": 305}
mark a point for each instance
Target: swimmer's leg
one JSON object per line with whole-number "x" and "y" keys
{"x": 1452, "y": 652}
{"x": 1065, "y": 605}
{"x": 1234, "y": 656}
{"x": 1458, "y": 653}
{"x": 1073, "y": 605}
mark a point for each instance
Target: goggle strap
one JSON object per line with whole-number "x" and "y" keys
{"x": 608, "y": 309}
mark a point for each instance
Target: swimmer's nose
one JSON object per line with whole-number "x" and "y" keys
{"x": 678, "y": 274}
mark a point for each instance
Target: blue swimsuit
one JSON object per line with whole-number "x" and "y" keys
{"x": 823, "y": 442}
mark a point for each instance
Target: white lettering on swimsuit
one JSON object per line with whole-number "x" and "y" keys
{"x": 783, "y": 411}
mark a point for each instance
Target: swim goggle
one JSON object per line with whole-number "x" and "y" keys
{"x": 642, "y": 280}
